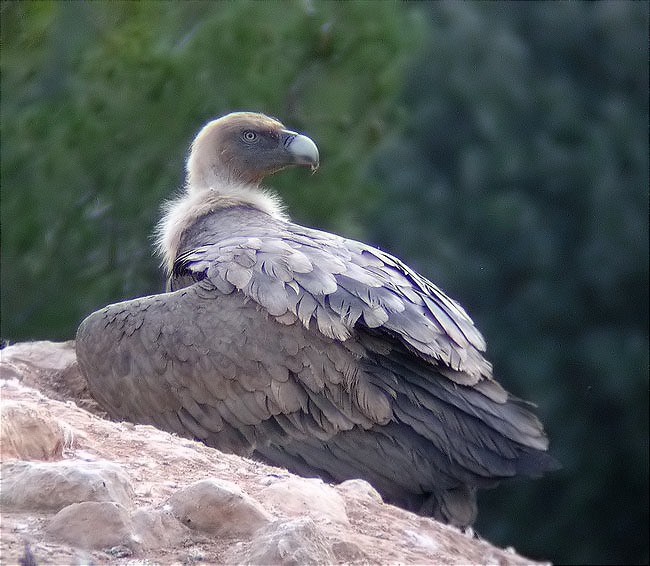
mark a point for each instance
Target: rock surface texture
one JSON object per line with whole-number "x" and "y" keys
{"x": 77, "y": 488}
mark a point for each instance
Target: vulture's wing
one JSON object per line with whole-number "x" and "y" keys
{"x": 340, "y": 286}
{"x": 216, "y": 365}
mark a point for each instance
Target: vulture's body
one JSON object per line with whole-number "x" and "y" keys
{"x": 305, "y": 349}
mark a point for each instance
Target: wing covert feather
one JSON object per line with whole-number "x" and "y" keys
{"x": 343, "y": 286}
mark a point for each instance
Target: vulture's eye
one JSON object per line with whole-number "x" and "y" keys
{"x": 249, "y": 136}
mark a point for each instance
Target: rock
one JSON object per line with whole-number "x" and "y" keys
{"x": 30, "y": 360}
{"x": 29, "y": 434}
{"x": 359, "y": 489}
{"x": 93, "y": 525}
{"x": 347, "y": 551}
{"x": 52, "y": 486}
{"x": 297, "y": 497}
{"x": 157, "y": 528}
{"x": 50, "y": 367}
{"x": 290, "y": 543}
{"x": 111, "y": 527}
{"x": 219, "y": 507}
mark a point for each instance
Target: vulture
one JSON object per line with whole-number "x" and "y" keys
{"x": 304, "y": 349}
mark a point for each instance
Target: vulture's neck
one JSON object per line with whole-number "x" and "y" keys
{"x": 199, "y": 200}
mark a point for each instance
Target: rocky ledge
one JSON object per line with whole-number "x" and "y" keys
{"x": 79, "y": 489}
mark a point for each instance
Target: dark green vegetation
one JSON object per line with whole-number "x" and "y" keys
{"x": 501, "y": 149}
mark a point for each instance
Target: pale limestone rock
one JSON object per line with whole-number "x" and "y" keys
{"x": 50, "y": 367}
{"x": 93, "y": 525}
{"x": 297, "y": 497}
{"x": 347, "y": 551}
{"x": 359, "y": 489}
{"x": 52, "y": 486}
{"x": 105, "y": 524}
{"x": 36, "y": 358}
{"x": 158, "y": 528}
{"x": 219, "y": 507}
{"x": 27, "y": 433}
{"x": 296, "y": 542}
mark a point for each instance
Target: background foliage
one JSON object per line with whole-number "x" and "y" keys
{"x": 500, "y": 148}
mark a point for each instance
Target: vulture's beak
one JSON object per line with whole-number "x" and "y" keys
{"x": 302, "y": 149}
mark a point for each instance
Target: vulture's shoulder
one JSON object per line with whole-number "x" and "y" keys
{"x": 333, "y": 285}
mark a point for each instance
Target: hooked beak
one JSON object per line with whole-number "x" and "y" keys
{"x": 302, "y": 149}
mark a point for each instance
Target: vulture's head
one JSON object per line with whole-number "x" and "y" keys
{"x": 243, "y": 148}
{"x": 228, "y": 160}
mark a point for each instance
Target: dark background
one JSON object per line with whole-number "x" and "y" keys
{"x": 499, "y": 148}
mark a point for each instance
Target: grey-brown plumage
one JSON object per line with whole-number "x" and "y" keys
{"x": 305, "y": 349}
